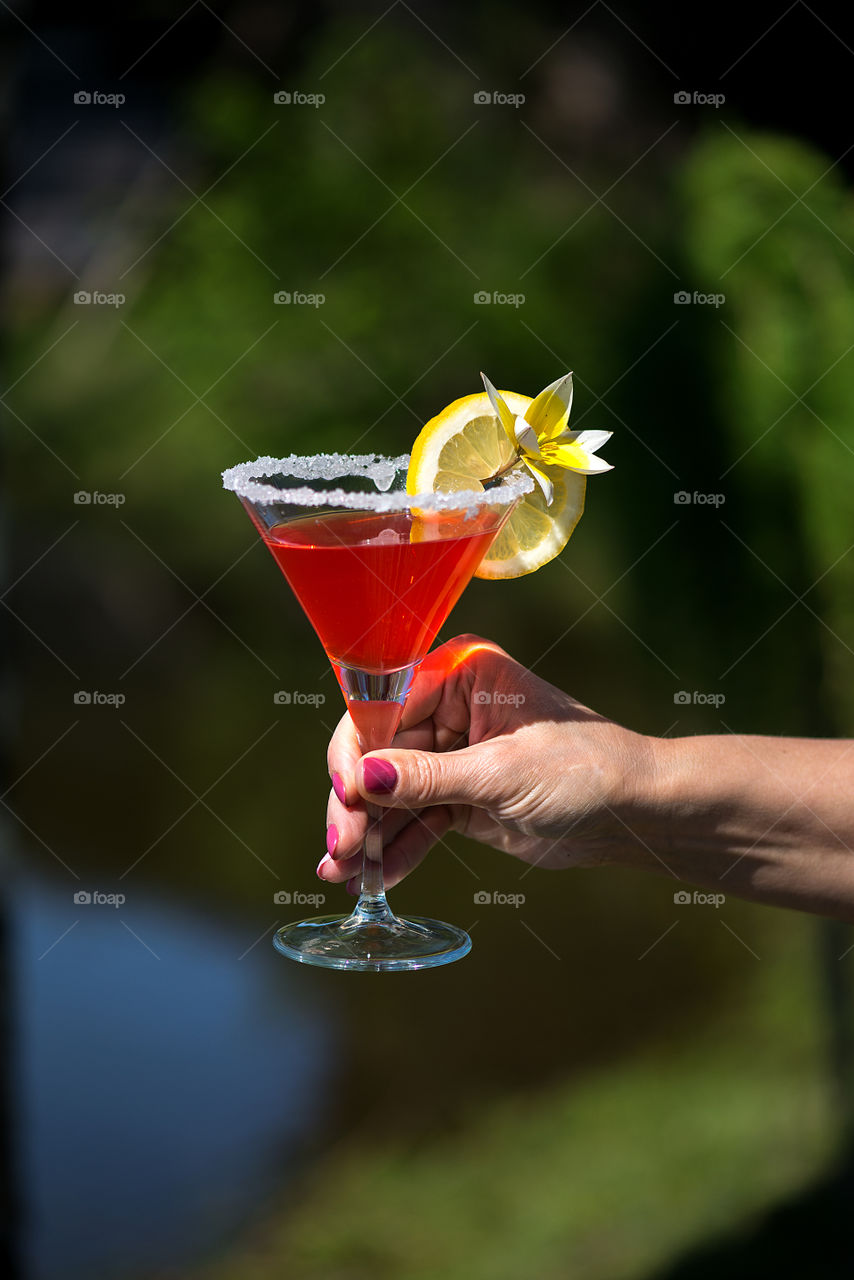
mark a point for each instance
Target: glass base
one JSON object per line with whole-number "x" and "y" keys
{"x": 348, "y": 942}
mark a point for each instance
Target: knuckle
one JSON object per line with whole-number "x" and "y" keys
{"x": 481, "y": 644}
{"x": 497, "y": 770}
{"x": 467, "y": 776}
{"x": 470, "y": 637}
{"x": 424, "y": 776}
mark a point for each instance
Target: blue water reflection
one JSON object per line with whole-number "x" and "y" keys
{"x": 163, "y": 1082}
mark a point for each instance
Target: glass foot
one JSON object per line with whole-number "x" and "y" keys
{"x": 347, "y": 942}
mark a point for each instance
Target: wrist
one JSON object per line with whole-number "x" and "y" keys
{"x": 637, "y": 803}
{"x": 718, "y": 817}
{"x": 659, "y": 795}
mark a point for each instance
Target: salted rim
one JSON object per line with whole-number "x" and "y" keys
{"x": 241, "y": 479}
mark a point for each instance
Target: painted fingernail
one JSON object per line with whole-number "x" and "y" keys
{"x": 353, "y": 886}
{"x": 321, "y": 865}
{"x": 338, "y": 788}
{"x": 380, "y": 776}
{"x": 331, "y": 838}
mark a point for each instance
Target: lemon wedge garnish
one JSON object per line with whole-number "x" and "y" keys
{"x": 465, "y": 445}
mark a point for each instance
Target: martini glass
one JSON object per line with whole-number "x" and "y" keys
{"x": 377, "y": 571}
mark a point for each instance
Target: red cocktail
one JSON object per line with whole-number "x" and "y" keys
{"x": 377, "y": 572}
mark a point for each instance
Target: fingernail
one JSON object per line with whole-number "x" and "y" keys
{"x": 380, "y": 776}
{"x": 338, "y": 788}
{"x": 353, "y": 886}
{"x": 331, "y": 838}
{"x": 320, "y": 867}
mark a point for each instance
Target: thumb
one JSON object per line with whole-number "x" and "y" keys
{"x": 416, "y": 779}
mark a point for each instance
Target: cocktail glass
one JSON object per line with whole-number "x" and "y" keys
{"x": 377, "y": 571}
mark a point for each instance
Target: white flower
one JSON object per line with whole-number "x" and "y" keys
{"x": 542, "y": 438}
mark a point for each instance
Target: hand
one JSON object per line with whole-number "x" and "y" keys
{"x": 488, "y": 749}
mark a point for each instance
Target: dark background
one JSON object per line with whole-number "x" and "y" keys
{"x": 612, "y": 1084}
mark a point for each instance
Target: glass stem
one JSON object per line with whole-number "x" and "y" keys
{"x": 377, "y": 723}
{"x": 372, "y": 904}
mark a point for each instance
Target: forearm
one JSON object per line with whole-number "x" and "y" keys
{"x": 764, "y": 818}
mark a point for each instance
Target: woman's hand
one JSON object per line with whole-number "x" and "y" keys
{"x": 488, "y": 749}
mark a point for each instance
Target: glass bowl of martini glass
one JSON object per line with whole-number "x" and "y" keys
{"x": 377, "y": 571}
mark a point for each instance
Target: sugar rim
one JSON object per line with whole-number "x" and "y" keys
{"x": 241, "y": 479}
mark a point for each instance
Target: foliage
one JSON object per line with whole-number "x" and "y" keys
{"x": 772, "y": 223}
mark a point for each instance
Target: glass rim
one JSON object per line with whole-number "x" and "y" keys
{"x": 243, "y": 480}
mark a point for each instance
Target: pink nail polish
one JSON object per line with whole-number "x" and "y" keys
{"x": 320, "y": 868}
{"x": 331, "y": 838}
{"x": 338, "y": 788}
{"x": 380, "y": 776}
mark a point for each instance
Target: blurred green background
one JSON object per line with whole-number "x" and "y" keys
{"x": 611, "y": 1085}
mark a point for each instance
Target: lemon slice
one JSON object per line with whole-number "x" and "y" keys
{"x": 466, "y": 444}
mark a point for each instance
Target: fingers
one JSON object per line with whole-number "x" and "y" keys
{"x": 407, "y": 836}
{"x": 412, "y": 844}
{"x": 425, "y": 770}
{"x": 345, "y": 808}
{"x": 346, "y": 827}
{"x": 413, "y": 839}
{"x": 421, "y": 779}
{"x": 446, "y": 678}
{"x": 342, "y": 756}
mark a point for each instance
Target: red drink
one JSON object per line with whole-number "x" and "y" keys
{"x": 377, "y": 587}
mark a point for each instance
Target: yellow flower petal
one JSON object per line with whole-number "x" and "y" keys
{"x": 591, "y": 440}
{"x": 526, "y": 438}
{"x": 542, "y": 480}
{"x": 506, "y": 418}
{"x": 575, "y": 458}
{"x": 550, "y": 410}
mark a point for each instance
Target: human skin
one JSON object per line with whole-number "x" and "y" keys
{"x": 489, "y": 749}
